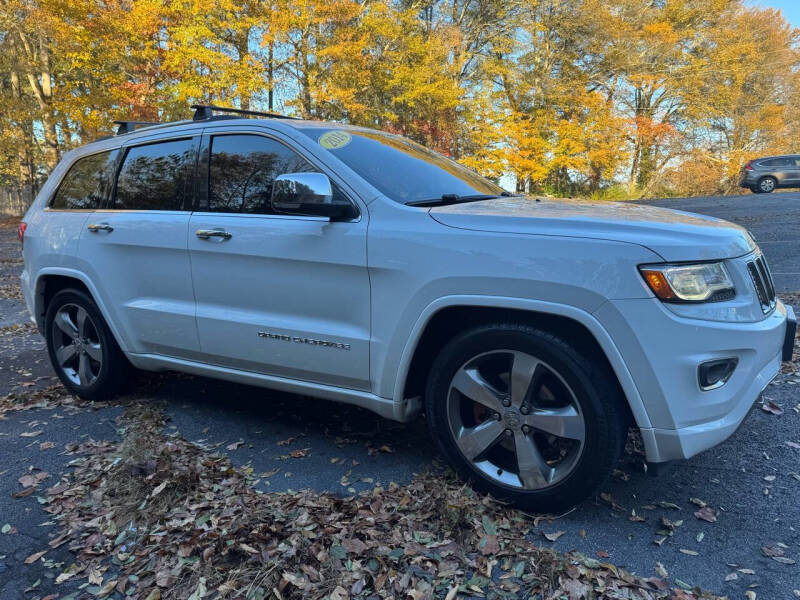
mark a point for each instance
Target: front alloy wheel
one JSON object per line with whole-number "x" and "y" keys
{"x": 525, "y": 416}
{"x": 515, "y": 419}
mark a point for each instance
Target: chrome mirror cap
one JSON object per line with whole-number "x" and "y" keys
{"x": 308, "y": 194}
{"x": 291, "y": 190}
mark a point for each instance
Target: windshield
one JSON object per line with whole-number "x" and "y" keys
{"x": 399, "y": 168}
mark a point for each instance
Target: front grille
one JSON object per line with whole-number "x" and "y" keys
{"x": 762, "y": 280}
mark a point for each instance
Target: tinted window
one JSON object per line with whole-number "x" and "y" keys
{"x": 401, "y": 169}
{"x": 87, "y": 182}
{"x": 242, "y": 170}
{"x": 156, "y": 177}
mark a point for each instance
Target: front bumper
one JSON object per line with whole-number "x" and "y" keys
{"x": 663, "y": 350}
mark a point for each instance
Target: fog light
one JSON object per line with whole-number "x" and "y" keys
{"x": 714, "y": 373}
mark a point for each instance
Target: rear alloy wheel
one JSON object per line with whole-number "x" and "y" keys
{"x": 77, "y": 345}
{"x": 767, "y": 185}
{"x": 524, "y": 416}
{"x": 82, "y": 349}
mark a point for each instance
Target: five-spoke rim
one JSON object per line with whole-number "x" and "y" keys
{"x": 515, "y": 419}
{"x": 767, "y": 184}
{"x": 77, "y": 345}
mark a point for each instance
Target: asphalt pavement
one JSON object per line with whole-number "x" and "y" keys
{"x": 292, "y": 442}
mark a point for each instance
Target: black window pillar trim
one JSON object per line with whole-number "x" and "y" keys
{"x": 202, "y": 174}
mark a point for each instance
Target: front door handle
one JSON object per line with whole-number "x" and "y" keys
{"x": 205, "y": 234}
{"x": 95, "y": 227}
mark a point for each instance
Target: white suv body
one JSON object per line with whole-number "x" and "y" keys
{"x": 357, "y": 309}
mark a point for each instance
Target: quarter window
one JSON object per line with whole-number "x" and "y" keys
{"x": 86, "y": 184}
{"x": 156, "y": 177}
{"x": 243, "y": 169}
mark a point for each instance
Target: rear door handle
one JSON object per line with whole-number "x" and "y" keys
{"x": 205, "y": 234}
{"x": 95, "y": 227}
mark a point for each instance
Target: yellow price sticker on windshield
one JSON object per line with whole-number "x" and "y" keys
{"x": 333, "y": 140}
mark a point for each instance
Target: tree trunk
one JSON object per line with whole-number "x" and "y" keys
{"x": 41, "y": 86}
{"x": 271, "y": 76}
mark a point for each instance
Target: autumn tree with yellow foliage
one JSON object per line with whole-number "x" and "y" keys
{"x": 583, "y": 97}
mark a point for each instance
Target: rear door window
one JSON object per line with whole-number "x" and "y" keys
{"x": 156, "y": 177}
{"x": 87, "y": 183}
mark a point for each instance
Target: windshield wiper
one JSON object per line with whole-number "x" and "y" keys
{"x": 455, "y": 199}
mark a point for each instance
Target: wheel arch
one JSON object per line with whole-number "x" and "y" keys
{"x": 51, "y": 281}
{"x": 446, "y": 317}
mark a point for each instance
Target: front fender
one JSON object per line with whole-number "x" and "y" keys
{"x": 404, "y": 409}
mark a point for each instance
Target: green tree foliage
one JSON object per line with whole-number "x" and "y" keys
{"x": 569, "y": 96}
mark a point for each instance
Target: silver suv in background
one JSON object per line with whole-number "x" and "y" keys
{"x": 765, "y": 175}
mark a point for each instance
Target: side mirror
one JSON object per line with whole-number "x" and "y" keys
{"x": 307, "y": 194}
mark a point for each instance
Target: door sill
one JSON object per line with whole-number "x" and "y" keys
{"x": 384, "y": 407}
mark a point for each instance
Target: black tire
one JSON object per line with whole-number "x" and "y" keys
{"x": 594, "y": 388}
{"x": 112, "y": 371}
{"x": 766, "y": 185}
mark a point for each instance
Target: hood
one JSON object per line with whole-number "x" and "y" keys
{"x": 675, "y": 235}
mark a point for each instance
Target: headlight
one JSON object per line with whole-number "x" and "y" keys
{"x": 705, "y": 282}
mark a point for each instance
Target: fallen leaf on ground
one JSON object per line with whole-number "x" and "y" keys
{"x": 661, "y": 570}
{"x": 770, "y": 407}
{"x": 706, "y": 514}
{"x": 32, "y": 479}
{"x": 426, "y": 538}
{"x": 158, "y": 489}
{"x": 34, "y": 557}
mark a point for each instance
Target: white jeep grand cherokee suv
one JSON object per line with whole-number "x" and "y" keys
{"x": 358, "y": 266}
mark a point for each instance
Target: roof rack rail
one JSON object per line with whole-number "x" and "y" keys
{"x": 203, "y": 112}
{"x": 130, "y": 126}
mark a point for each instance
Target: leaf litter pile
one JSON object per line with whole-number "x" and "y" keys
{"x": 155, "y": 516}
